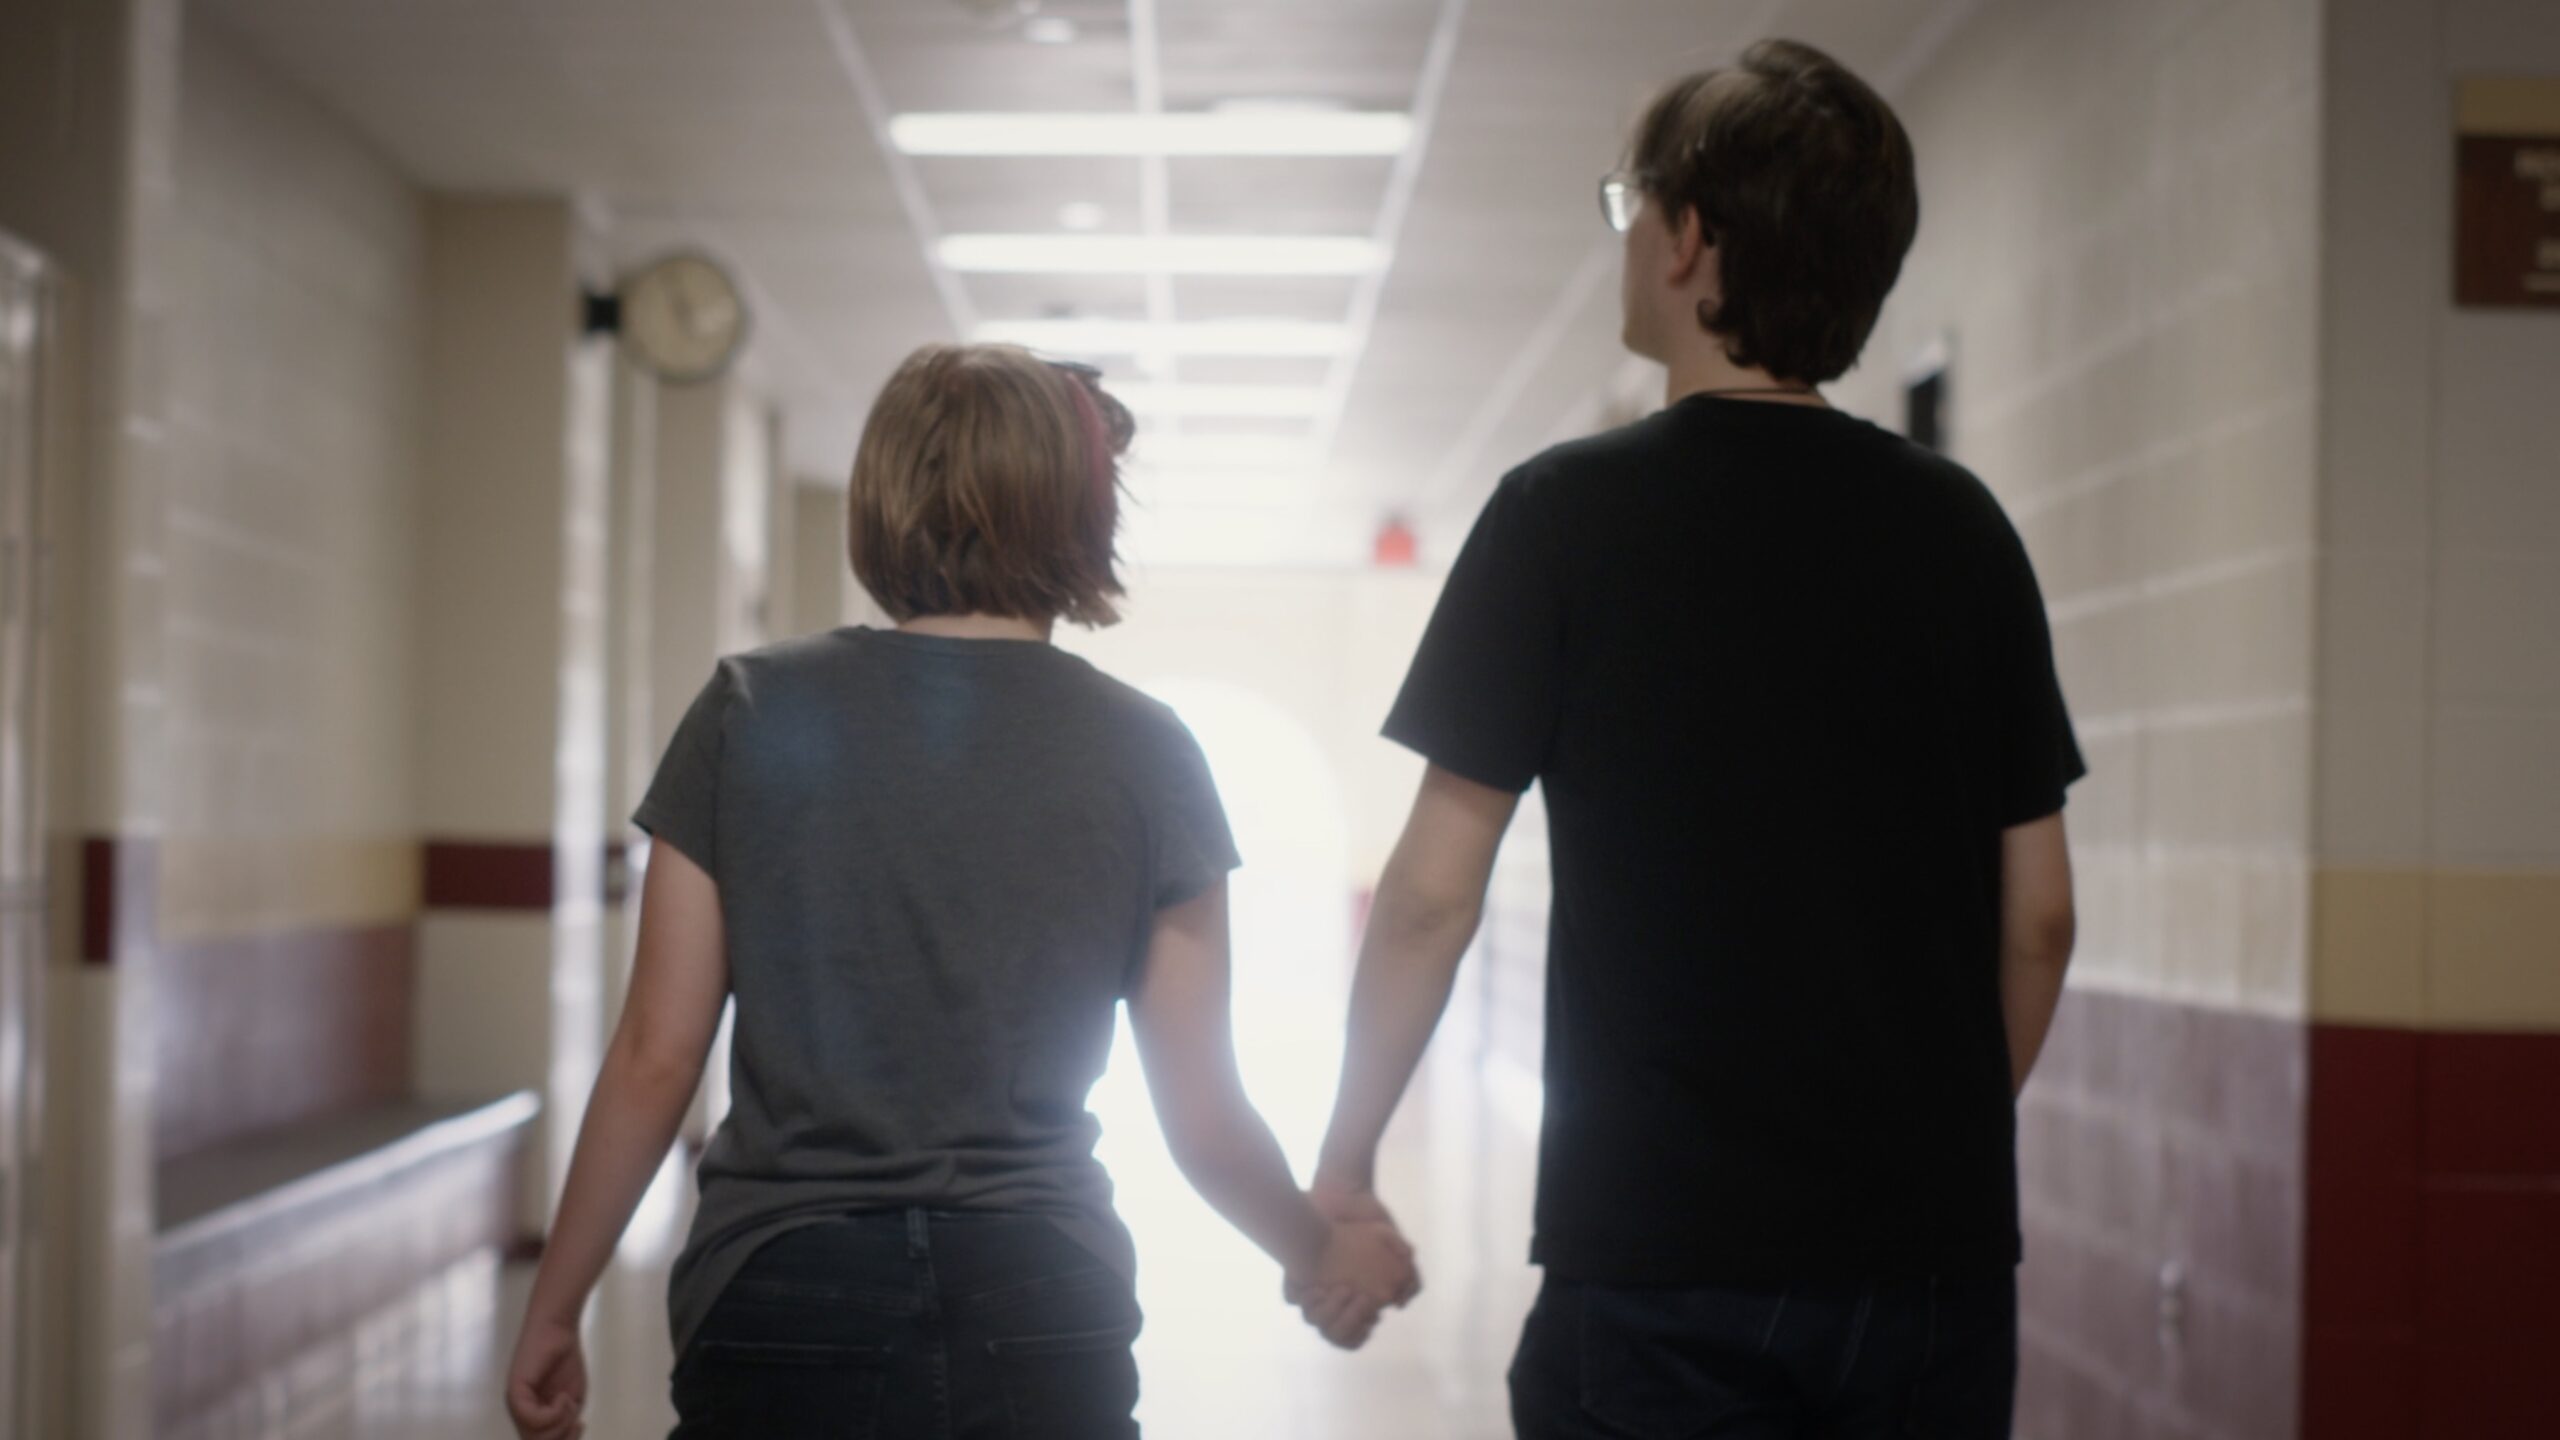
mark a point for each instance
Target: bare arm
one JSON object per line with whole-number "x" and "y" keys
{"x": 679, "y": 984}
{"x": 1429, "y": 902}
{"x": 2037, "y": 926}
{"x": 1187, "y": 1044}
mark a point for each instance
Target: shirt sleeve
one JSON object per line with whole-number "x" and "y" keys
{"x": 1192, "y": 846}
{"x": 2038, "y": 756}
{"x": 1482, "y": 697}
{"x": 682, "y": 803}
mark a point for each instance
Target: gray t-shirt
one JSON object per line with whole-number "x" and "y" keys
{"x": 939, "y": 864}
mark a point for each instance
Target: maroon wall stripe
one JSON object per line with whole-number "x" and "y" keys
{"x": 97, "y": 900}
{"x": 119, "y": 895}
{"x": 498, "y": 875}
{"x": 486, "y": 875}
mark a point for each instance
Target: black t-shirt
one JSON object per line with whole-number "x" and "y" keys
{"x": 1785, "y": 677}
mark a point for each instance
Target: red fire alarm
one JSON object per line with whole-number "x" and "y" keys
{"x": 1396, "y": 546}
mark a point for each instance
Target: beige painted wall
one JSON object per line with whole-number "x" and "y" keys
{"x": 714, "y": 468}
{"x": 2119, "y": 246}
{"x": 491, "y": 509}
{"x": 512, "y": 555}
{"x": 820, "y": 573}
{"x": 2439, "y": 678}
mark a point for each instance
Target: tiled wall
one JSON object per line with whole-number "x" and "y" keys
{"x": 2435, "y": 1131}
{"x": 2118, "y": 248}
{"x": 2119, "y": 220}
{"x": 288, "y": 864}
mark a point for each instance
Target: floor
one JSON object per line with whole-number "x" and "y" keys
{"x": 1220, "y": 1357}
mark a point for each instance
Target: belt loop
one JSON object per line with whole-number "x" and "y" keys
{"x": 919, "y": 1231}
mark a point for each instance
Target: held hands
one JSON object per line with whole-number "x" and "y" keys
{"x": 1366, "y": 1267}
{"x": 547, "y": 1382}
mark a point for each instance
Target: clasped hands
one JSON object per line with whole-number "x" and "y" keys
{"x": 1367, "y": 1266}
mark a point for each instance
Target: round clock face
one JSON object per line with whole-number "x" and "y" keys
{"x": 682, "y": 318}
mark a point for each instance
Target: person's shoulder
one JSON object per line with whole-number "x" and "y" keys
{"x": 779, "y": 661}
{"x": 820, "y": 669}
{"x": 1964, "y": 495}
{"x": 1629, "y": 450}
{"x": 1133, "y": 736}
{"x": 1575, "y": 475}
{"x": 1930, "y": 478}
{"x": 1131, "y": 710}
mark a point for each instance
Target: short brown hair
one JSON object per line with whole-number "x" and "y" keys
{"x": 1803, "y": 177}
{"x": 987, "y": 483}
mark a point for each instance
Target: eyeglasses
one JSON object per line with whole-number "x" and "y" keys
{"x": 1621, "y": 198}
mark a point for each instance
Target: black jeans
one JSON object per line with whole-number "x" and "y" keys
{"x": 915, "y": 1325}
{"x": 1926, "y": 1358}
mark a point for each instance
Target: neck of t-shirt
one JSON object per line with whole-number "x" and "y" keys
{"x": 1713, "y": 375}
{"x": 978, "y": 627}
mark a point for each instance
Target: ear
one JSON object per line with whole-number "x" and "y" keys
{"x": 1692, "y": 246}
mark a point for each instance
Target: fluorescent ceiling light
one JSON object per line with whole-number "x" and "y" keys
{"x": 1236, "y": 401}
{"x": 1284, "y": 338}
{"x": 1232, "y": 132}
{"x": 1163, "y": 254}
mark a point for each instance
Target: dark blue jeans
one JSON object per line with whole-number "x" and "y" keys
{"x": 915, "y": 1325}
{"x": 1935, "y": 1359}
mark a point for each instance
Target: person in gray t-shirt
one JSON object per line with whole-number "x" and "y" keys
{"x": 928, "y": 863}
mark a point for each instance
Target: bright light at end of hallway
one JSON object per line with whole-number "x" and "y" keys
{"x": 1193, "y": 450}
{"x": 1211, "y": 1299}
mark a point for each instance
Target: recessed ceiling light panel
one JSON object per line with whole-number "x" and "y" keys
{"x": 1067, "y": 254}
{"x": 1224, "y": 338}
{"x": 1257, "y": 131}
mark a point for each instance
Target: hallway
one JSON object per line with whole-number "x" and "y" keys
{"x": 406, "y": 405}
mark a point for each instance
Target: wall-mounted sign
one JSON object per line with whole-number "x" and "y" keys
{"x": 2507, "y": 193}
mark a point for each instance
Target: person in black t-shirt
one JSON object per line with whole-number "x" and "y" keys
{"x": 1787, "y": 682}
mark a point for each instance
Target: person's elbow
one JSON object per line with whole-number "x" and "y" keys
{"x": 1200, "y": 1132}
{"x": 2047, "y": 934}
{"x": 1432, "y": 895}
{"x": 2038, "y": 921}
{"x": 658, "y": 1060}
{"x": 1420, "y": 912}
